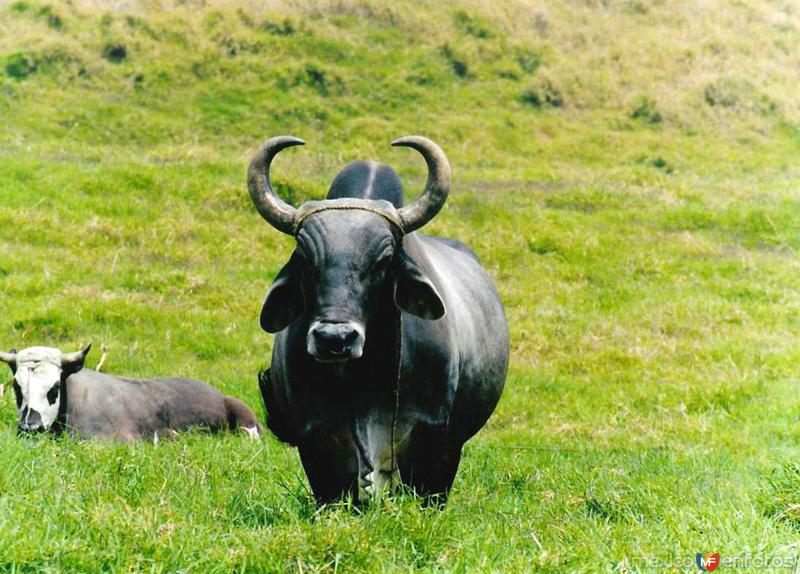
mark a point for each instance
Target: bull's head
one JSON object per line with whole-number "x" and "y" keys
{"x": 39, "y": 374}
{"x": 349, "y": 263}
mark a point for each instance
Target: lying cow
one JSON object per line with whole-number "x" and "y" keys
{"x": 392, "y": 346}
{"x": 55, "y": 393}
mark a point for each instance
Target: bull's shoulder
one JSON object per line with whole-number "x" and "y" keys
{"x": 92, "y": 384}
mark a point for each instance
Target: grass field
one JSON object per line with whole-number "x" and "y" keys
{"x": 628, "y": 171}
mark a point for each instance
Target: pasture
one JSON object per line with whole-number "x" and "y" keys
{"x": 627, "y": 171}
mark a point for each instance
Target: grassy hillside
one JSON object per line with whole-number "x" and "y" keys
{"x": 627, "y": 171}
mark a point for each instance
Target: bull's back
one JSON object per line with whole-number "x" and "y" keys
{"x": 104, "y": 405}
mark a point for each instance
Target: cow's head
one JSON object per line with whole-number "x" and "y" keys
{"x": 39, "y": 376}
{"x": 349, "y": 263}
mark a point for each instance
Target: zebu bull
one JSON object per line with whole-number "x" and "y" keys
{"x": 391, "y": 347}
{"x": 55, "y": 393}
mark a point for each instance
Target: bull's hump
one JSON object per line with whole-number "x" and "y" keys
{"x": 368, "y": 180}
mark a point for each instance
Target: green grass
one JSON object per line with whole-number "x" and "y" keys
{"x": 627, "y": 172}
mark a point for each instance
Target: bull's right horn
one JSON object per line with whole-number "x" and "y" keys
{"x": 437, "y": 188}
{"x": 76, "y": 358}
{"x": 277, "y": 212}
{"x": 9, "y": 358}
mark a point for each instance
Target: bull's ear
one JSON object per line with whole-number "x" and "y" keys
{"x": 284, "y": 302}
{"x": 414, "y": 292}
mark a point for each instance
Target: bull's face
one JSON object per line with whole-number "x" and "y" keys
{"x": 349, "y": 264}
{"x": 347, "y": 267}
{"x": 39, "y": 373}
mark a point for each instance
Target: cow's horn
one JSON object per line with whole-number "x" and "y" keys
{"x": 277, "y": 212}
{"x": 8, "y": 358}
{"x": 428, "y": 204}
{"x": 75, "y": 358}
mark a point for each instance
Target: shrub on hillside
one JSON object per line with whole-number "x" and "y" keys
{"x": 20, "y": 65}
{"x": 542, "y": 94}
{"x": 457, "y": 62}
{"x": 55, "y": 58}
{"x": 644, "y": 109}
{"x": 737, "y": 94}
{"x": 115, "y": 52}
{"x": 286, "y": 27}
{"x": 473, "y": 25}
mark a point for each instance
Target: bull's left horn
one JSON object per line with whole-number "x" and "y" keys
{"x": 76, "y": 358}
{"x": 432, "y": 199}
{"x": 277, "y": 212}
{"x": 8, "y": 358}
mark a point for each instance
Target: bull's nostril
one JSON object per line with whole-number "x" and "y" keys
{"x": 330, "y": 340}
{"x": 31, "y": 420}
{"x": 335, "y": 339}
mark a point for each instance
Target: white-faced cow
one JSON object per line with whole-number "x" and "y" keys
{"x": 54, "y": 393}
{"x": 392, "y": 346}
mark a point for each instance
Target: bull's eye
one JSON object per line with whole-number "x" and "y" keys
{"x": 382, "y": 264}
{"x": 52, "y": 394}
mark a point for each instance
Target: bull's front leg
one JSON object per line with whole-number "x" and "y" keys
{"x": 330, "y": 460}
{"x": 429, "y": 463}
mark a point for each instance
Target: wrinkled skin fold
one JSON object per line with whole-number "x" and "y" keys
{"x": 392, "y": 347}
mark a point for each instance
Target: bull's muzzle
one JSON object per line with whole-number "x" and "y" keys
{"x": 30, "y": 422}
{"x": 334, "y": 341}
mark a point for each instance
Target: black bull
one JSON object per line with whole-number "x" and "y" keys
{"x": 392, "y": 346}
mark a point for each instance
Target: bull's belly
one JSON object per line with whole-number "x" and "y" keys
{"x": 129, "y": 429}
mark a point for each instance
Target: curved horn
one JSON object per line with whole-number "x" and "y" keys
{"x": 428, "y": 204}
{"x": 77, "y": 357}
{"x": 8, "y": 358}
{"x": 277, "y": 212}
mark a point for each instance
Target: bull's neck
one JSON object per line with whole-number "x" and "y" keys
{"x": 383, "y": 335}
{"x": 61, "y": 423}
{"x": 73, "y": 405}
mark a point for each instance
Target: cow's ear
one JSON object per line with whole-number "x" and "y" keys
{"x": 284, "y": 302}
{"x": 414, "y": 292}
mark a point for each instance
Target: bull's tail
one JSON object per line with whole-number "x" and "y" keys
{"x": 241, "y": 417}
